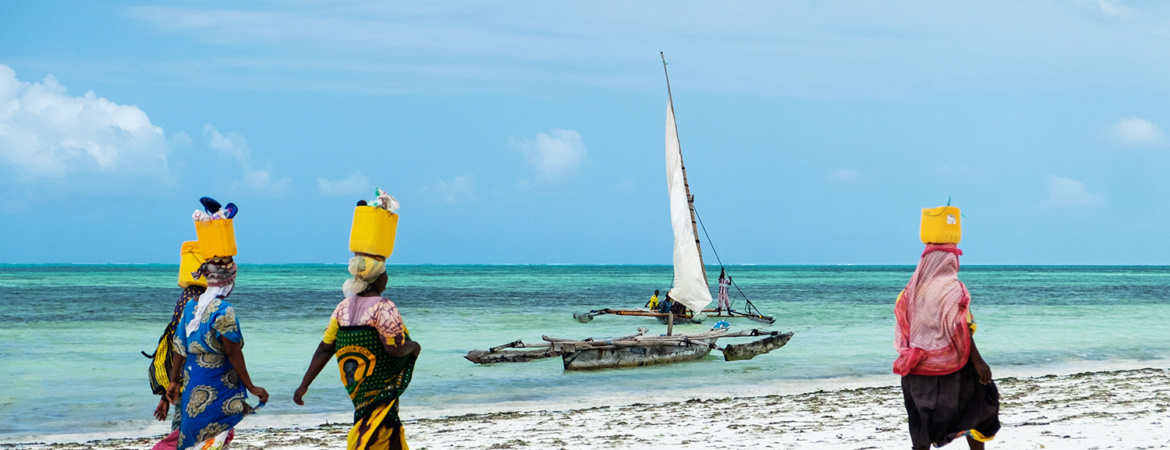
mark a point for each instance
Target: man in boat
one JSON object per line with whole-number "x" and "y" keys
{"x": 946, "y": 385}
{"x": 374, "y": 352}
{"x": 676, "y": 308}
{"x": 653, "y": 303}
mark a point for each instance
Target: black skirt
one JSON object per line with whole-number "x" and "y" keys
{"x": 944, "y": 407}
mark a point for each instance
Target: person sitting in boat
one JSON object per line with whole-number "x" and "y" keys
{"x": 677, "y": 308}
{"x": 653, "y": 303}
{"x": 666, "y": 305}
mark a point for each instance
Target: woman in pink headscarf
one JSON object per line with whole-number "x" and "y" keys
{"x": 946, "y": 384}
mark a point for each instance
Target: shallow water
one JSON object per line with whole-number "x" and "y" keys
{"x": 70, "y": 335}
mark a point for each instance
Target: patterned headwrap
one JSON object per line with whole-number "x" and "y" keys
{"x": 219, "y": 272}
{"x": 365, "y": 269}
{"x": 221, "y": 278}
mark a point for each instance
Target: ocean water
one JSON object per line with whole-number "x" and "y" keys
{"x": 70, "y": 335}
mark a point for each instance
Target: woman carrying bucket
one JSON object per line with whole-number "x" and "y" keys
{"x": 162, "y": 359}
{"x": 946, "y": 384}
{"x": 208, "y": 372}
{"x": 374, "y": 351}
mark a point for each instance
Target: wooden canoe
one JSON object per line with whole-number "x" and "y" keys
{"x": 632, "y": 351}
{"x": 637, "y": 354}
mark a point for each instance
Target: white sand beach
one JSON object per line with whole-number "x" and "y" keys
{"x": 1108, "y": 409}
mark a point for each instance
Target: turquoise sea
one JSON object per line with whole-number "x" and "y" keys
{"x": 70, "y": 335}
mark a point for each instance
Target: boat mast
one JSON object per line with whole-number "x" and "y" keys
{"x": 687, "y": 186}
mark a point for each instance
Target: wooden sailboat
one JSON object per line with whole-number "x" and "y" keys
{"x": 690, "y": 289}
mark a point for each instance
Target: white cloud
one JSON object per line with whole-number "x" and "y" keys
{"x": 1067, "y": 192}
{"x": 844, "y": 175}
{"x": 261, "y": 181}
{"x": 45, "y": 133}
{"x": 356, "y": 184}
{"x": 232, "y": 145}
{"x": 1113, "y": 8}
{"x": 554, "y": 155}
{"x": 254, "y": 179}
{"x": 1136, "y": 132}
{"x": 831, "y": 49}
{"x": 460, "y": 189}
{"x": 182, "y": 139}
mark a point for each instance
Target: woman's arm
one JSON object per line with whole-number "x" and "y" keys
{"x": 320, "y": 359}
{"x": 176, "y": 376}
{"x": 407, "y": 348}
{"x": 236, "y": 356}
{"x": 981, "y": 367}
{"x": 163, "y": 408}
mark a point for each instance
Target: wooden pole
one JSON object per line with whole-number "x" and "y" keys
{"x": 670, "y": 319}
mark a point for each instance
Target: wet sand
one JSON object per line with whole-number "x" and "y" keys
{"x": 1118, "y": 409}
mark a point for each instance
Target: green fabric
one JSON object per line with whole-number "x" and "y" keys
{"x": 371, "y": 376}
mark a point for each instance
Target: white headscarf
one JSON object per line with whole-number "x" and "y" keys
{"x": 365, "y": 269}
{"x": 221, "y": 278}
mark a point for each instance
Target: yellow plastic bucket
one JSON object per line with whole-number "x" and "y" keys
{"x": 373, "y": 231}
{"x": 189, "y": 261}
{"x": 942, "y": 225}
{"x": 216, "y": 237}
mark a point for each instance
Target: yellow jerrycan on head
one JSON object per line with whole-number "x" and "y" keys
{"x": 373, "y": 231}
{"x": 216, "y": 237}
{"x": 941, "y": 225}
{"x": 189, "y": 261}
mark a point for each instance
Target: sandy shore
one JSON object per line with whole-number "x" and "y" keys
{"x": 1089, "y": 410}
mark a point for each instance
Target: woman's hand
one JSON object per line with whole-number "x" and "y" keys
{"x": 410, "y": 348}
{"x": 260, "y": 393}
{"x": 981, "y": 367}
{"x": 173, "y": 393}
{"x": 299, "y": 395}
{"x": 320, "y": 359}
{"x": 983, "y": 370}
{"x": 164, "y": 407}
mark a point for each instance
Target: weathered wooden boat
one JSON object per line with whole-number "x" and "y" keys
{"x": 633, "y": 351}
{"x": 691, "y": 287}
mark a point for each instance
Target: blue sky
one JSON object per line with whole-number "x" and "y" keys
{"x": 512, "y": 132}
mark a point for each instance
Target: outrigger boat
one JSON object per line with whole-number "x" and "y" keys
{"x": 690, "y": 289}
{"x": 633, "y": 351}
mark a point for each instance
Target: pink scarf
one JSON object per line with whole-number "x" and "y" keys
{"x": 931, "y": 336}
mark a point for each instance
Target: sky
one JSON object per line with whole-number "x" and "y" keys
{"x": 533, "y": 132}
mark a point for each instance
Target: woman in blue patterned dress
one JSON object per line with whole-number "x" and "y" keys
{"x": 209, "y": 351}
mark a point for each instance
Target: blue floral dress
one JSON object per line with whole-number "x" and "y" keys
{"x": 213, "y": 397}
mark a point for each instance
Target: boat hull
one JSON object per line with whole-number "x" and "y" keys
{"x": 635, "y": 356}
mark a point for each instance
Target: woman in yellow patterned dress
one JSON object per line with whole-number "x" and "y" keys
{"x": 375, "y": 356}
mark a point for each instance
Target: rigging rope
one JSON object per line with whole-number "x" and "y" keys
{"x": 751, "y": 307}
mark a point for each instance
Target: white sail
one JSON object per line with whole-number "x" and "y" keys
{"x": 690, "y": 283}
